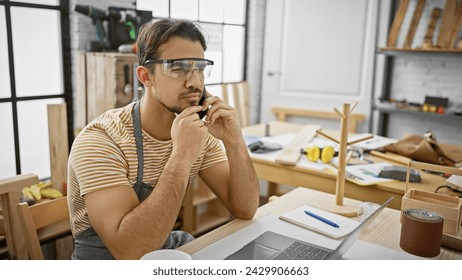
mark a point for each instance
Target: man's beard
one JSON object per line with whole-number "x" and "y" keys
{"x": 177, "y": 109}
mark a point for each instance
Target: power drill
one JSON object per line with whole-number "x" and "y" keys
{"x": 123, "y": 24}
{"x": 98, "y": 16}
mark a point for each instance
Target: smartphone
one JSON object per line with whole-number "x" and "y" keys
{"x": 202, "y": 113}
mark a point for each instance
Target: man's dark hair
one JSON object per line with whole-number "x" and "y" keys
{"x": 155, "y": 33}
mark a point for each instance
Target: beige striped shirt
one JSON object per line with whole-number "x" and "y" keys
{"x": 104, "y": 156}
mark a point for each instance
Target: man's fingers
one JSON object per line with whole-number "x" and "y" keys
{"x": 190, "y": 110}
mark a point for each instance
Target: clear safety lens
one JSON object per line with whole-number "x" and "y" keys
{"x": 184, "y": 67}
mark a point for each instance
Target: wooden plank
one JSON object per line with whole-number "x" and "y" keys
{"x": 100, "y": 94}
{"x": 414, "y": 23}
{"x": 224, "y": 93}
{"x": 17, "y": 182}
{"x": 110, "y": 80}
{"x": 434, "y": 17}
{"x": 244, "y": 102}
{"x": 445, "y": 27}
{"x": 9, "y": 196}
{"x": 237, "y": 104}
{"x": 282, "y": 113}
{"x": 80, "y": 115}
{"x": 455, "y": 27}
{"x": 396, "y": 25}
{"x": 58, "y": 143}
{"x": 291, "y": 153}
{"x": 91, "y": 86}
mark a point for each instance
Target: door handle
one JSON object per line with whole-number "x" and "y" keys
{"x": 271, "y": 73}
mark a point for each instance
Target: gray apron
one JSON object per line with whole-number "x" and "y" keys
{"x": 89, "y": 246}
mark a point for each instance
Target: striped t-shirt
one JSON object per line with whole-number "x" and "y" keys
{"x": 104, "y": 156}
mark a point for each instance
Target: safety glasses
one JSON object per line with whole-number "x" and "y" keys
{"x": 184, "y": 67}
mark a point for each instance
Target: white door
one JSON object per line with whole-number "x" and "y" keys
{"x": 318, "y": 55}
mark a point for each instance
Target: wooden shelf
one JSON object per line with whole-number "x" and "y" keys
{"x": 425, "y": 52}
{"x": 389, "y": 109}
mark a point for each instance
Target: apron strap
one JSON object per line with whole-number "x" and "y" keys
{"x": 139, "y": 145}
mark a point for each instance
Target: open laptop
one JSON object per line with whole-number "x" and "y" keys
{"x": 274, "y": 246}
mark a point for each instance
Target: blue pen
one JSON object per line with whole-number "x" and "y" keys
{"x": 321, "y": 219}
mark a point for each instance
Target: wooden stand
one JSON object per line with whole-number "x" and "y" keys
{"x": 347, "y": 209}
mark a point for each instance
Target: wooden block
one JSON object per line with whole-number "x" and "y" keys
{"x": 291, "y": 153}
{"x": 59, "y": 145}
{"x": 428, "y": 39}
{"x": 397, "y": 21}
{"x": 455, "y": 27}
{"x": 414, "y": 23}
{"x": 445, "y": 27}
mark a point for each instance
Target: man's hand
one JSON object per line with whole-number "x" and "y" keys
{"x": 189, "y": 133}
{"x": 222, "y": 120}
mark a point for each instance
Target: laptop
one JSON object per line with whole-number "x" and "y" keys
{"x": 274, "y": 246}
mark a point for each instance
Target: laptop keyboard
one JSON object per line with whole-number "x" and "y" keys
{"x": 301, "y": 251}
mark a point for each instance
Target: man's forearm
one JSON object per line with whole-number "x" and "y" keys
{"x": 148, "y": 224}
{"x": 243, "y": 190}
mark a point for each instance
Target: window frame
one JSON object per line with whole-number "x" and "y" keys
{"x": 64, "y": 10}
{"x": 246, "y": 30}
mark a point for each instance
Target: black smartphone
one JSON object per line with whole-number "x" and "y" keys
{"x": 202, "y": 113}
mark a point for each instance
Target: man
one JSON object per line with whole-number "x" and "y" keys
{"x": 129, "y": 169}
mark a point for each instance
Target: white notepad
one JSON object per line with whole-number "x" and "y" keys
{"x": 300, "y": 218}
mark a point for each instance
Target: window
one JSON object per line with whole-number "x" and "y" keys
{"x": 224, "y": 26}
{"x": 34, "y": 72}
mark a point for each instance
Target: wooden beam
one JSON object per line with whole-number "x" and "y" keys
{"x": 58, "y": 143}
{"x": 446, "y": 22}
{"x": 396, "y": 25}
{"x": 414, "y": 23}
{"x": 455, "y": 27}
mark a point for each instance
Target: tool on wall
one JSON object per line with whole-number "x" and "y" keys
{"x": 123, "y": 24}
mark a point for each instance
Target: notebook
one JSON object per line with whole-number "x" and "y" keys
{"x": 299, "y": 218}
{"x": 271, "y": 245}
